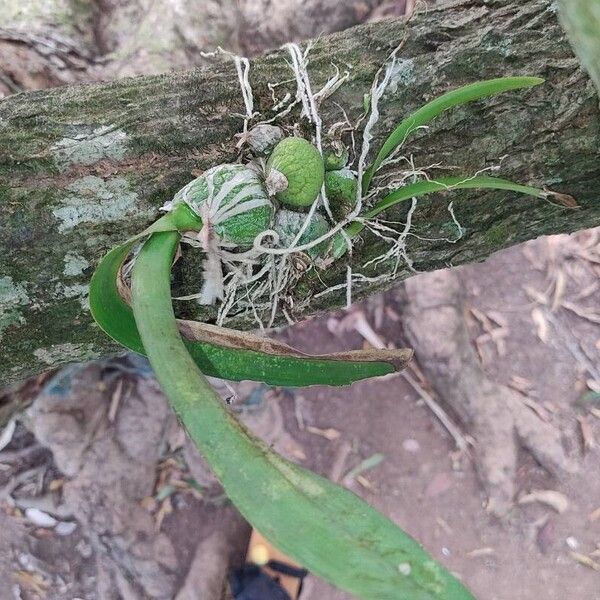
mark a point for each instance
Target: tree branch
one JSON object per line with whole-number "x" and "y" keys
{"x": 83, "y": 168}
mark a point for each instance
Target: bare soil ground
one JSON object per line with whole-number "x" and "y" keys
{"x": 143, "y": 501}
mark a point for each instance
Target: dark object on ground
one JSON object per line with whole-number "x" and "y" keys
{"x": 252, "y": 583}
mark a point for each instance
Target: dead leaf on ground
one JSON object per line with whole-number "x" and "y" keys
{"x": 560, "y": 287}
{"x": 444, "y": 525}
{"x": 32, "y": 581}
{"x": 594, "y": 515}
{"x": 330, "y": 433}
{"x": 564, "y": 199}
{"x": 559, "y": 502}
{"x": 487, "y": 551}
{"x": 364, "y": 482}
{"x": 535, "y": 295}
{"x": 541, "y": 324}
{"x": 587, "y": 435}
{"x": 588, "y": 315}
{"x": 537, "y": 408}
{"x": 585, "y": 560}
{"x": 521, "y": 384}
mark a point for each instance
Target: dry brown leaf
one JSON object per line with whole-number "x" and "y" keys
{"x": 55, "y": 485}
{"x": 587, "y": 435}
{"x": 166, "y": 508}
{"x": 559, "y": 502}
{"x": 365, "y": 483}
{"x": 585, "y": 560}
{"x": 498, "y": 318}
{"x": 588, "y": 315}
{"x": 521, "y": 384}
{"x": 594, "y": 515}
{"x": 32, "y": 581}
{"x": 487, "y": 551}
{"x": 564, "y": 199}
{"x": 149, "y": 503}
{"x": 537, "y": 408}
{"x": 535, "y": 295}
{"x": 560, "y": 286}
{"x": 541, "y": 324}
{"x": 115, "y": 401}
{"x": 444, "y": 525}
{"x": 329, "y": 433}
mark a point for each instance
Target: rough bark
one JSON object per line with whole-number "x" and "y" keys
{"x": 82, "y": 168}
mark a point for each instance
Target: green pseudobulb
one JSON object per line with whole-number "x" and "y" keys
{"x": 335, "y": 158}
{"x": 341, "y": 187}
{"x": 295, "y": 172}
{"x": 235, "y": 199}
{"x": 288, "y": 223}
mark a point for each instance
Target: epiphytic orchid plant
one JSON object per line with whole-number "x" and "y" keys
{"x": 321, "y": 525}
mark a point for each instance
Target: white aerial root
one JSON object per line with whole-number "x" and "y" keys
{"x": 214, "y": 210}
{"x": 242, "y": 67}
{"x": 398, "y": 249}
{"x": 242, "y": 281}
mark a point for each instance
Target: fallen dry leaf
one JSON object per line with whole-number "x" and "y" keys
{"x": 559, "y": 502}
{"x": 585, "y": 560}
{"x": 521, "y": 384}
{"x": 487, "y": 551}
{"x": 537, "y": 408}
{"x": 560, "y": 286}
{"x": 588, "y": 315}
{"x": 329, "y": 433}
{"x": 594, "y": 515}
{"x": 564, "y": 199}
{"x": 535, "y": 295}
{"x": 365, "y": 483}
{"x": 539, "y": 320}
{"x": 587, "y": 435}
{"x": 32, "y": 581}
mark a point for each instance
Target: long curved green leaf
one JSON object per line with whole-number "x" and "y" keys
{"x": 431, "y": 110}
{"x": 326, "y": 528}
{"x": 226, "y": 353}
{"x": 422, "y": 188}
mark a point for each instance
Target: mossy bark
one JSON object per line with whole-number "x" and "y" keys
{"x": 83, "y": 168}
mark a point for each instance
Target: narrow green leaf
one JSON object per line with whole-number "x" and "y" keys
{"x": 428, "y": 112}
{"x": 422, "y": 188}
{"x": 365, "y": 465}
{"x": 324, "y": 527}
{"x": 226, "y": 353}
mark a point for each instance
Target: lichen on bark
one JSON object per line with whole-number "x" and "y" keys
{"x": 61, "y": 199}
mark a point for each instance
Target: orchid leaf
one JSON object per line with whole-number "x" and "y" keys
{"x": 226, "y": 353}
{"x": 321, "y": 525}
{"x": 425, "y": 187}
{"x": 431, "y": 110}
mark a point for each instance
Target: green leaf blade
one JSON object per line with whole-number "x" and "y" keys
{"x": 247, "y": 357}
{"x": 431, "y": 110}
{"x": 321, "y": 525}
{"x": 425, "y": 187}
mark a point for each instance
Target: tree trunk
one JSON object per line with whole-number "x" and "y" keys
{"x": 83, "y": 168}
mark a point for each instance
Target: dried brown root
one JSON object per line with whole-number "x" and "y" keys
{"x": 494, "y": 414}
